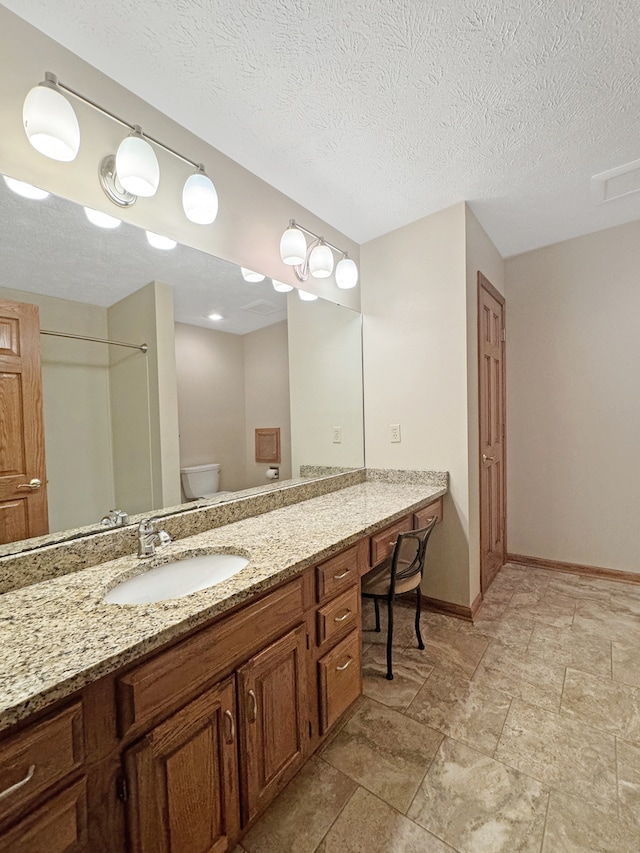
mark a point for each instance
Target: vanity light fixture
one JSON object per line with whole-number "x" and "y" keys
{"x": 24, "y": 189}
{"x": 102, "y": 220}
{"x": 50, "y": 122}
{"x": 316, "y": 257}
{"x": 160, "y": 242}
{"x": 306, "y": 296}
{"x": 52, "y": 128}
{"x": 250, "y": 275}
{"x": 280, "y": 286}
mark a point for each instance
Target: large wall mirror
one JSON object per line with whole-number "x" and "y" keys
{"x": 120, "y": 423}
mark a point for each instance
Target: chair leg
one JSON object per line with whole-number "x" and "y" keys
{"x": 418, "y": 634}
{"x": 377, "y": 606}
{"x": 389, "y": 639}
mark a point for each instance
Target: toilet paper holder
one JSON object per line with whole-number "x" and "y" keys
{"x": 273, "y": 473}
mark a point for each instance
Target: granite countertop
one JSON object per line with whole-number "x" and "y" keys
{"x": 59, "y": 635}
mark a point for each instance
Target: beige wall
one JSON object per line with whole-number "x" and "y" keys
{"x": 266, "y": 386}
{"x": 415, "y": 371}
{"x": 325, "y": 369}
{"x": 481, "y": 255}
{"x": 252, "y": 214}
{"x": 211, "y": 401}
{"x": 573, "y": 351}
{"x": 75, "y": 386}
{"x": 144, "y": 400}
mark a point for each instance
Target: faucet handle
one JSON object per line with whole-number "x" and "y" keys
{"x": 164, "y": 538}
{"x": 147, "y": 525}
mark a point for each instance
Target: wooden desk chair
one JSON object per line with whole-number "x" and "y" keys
{"x": 400, "y": 573}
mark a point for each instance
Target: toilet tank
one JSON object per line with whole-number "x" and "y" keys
{"x": 200, "y": 481}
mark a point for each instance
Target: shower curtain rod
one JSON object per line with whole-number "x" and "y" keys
{"x": 142, "y": 347}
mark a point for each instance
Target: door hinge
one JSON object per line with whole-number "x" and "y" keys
{"x": 504, "y": 334}
{"x": 122, "y": 788}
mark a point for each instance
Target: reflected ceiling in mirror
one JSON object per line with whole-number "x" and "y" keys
{"x": 50, "y": 247}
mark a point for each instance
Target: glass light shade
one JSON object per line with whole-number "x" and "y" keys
{"x": 250, "y": 275}
{"x": 281, "y": 287}
{"x": 51, "y": 124}
{"x": 200, "y": 199}
{"x": 25, "y": 190}
{"x": 293, "y": 247}
{"x": 346, "y": 274}
{"x": 306, "y": 296}
{"x": 137, "y": 166}
{"x": 102, "y": 220}
{"x": 321, "y": 261}
{"x": 160, "y": 242}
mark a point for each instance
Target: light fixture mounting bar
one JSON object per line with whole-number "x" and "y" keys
{"x": 52, "y": 79}
{"x": 317, "y": 237}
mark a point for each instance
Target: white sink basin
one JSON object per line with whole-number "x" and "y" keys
{"x": 175, "y": 580}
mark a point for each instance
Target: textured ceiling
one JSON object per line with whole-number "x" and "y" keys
{"x": 50, "y": 247}
{"x": 373, "y": 114}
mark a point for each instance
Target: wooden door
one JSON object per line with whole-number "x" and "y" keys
{"x": 23, "y": 503}
{"x": 183, "y": 779}
{"x": 272, "y": 715}
{"x": 491, "y": 367}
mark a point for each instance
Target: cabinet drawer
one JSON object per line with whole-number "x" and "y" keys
{"x": 422, "y": 517}
{"x": 383, "y": 543}
{"x": 171, "y": 678}
{"x": 40, "y": 756}
{"x": 340, "y": 680}
{"x": 337, "y": 573}
{"x": 339, "y": 616}
{"x": 60, "y": 826}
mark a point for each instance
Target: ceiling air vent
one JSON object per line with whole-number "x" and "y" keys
{"x": 616, "y": 183}
{"x": 261, "y": 306}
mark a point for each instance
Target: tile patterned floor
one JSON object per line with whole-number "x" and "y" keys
{"x": 520, "y": 732}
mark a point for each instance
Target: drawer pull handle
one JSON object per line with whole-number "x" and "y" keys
{"x": 344, "y": 666}
{"x": 232, "y": 728}
{"x": 343, "y": 575}
{"x": 253, "y": 716}
{"x": 343, "y": 617}
{"x": 8, "y": 791}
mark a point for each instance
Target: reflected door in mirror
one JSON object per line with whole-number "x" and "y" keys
{"x": 23, "y": 494}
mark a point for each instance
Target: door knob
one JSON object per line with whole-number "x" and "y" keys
{"x": 486, "y": 458}
{"x": 32, "y": 485}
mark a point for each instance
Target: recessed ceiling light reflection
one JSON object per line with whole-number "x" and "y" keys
{"x": 24, "y": 189}
{"x": 102, "y": 220}
{"x": 281, "y": 287}
{"x": 215, "y": 316}
{"x": 160, "y": 242}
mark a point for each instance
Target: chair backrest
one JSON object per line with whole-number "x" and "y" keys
{"x": 409, "y": 554}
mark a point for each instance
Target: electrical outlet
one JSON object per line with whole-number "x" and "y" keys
{"x": 337, "y": 435}
{"x": 395, "y": 432}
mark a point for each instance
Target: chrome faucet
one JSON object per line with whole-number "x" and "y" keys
{"x": 149, "y": 537}
{"x": 116, "y": 518}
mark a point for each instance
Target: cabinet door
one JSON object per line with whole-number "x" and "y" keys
{"x": 183, "y": 779}
{"x": 273, "y": 719}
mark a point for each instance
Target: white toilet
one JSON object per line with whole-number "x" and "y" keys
{"x": 201, "y": 481}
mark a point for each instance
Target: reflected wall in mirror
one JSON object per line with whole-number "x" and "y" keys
{"x": 119, "y": 423}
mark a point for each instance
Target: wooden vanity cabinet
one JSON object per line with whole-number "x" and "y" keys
{"x": 183, "y": 779}
{"x": 272, "y": 722}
